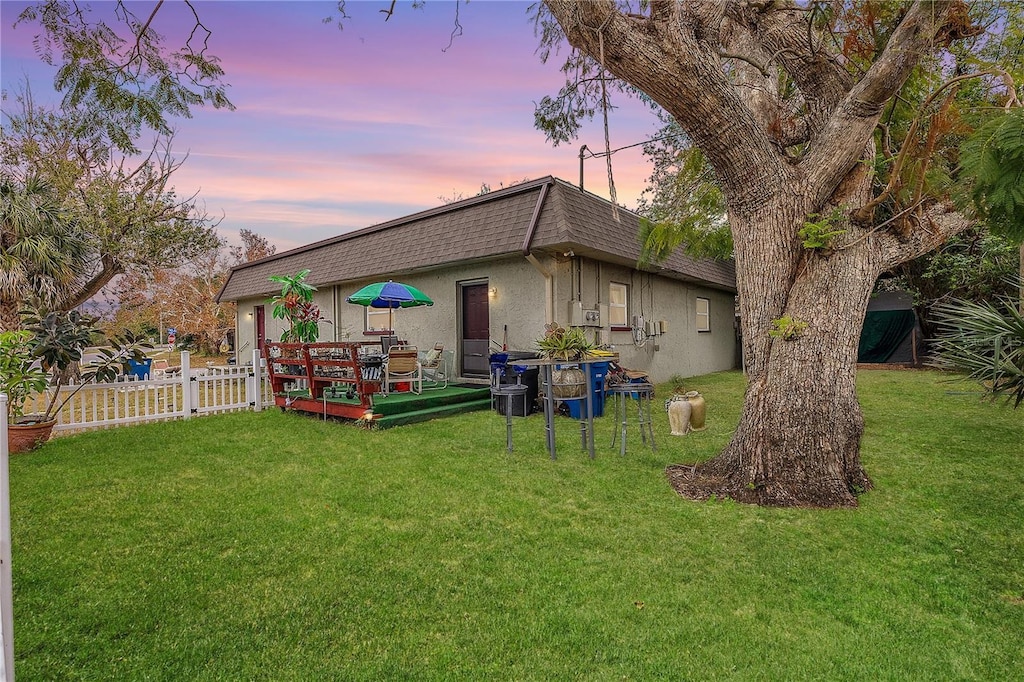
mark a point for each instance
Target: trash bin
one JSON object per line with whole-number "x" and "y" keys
{"x": 140, "y": 369}
{"x": 511, "y": 374}
{"x": 577, "y": 408}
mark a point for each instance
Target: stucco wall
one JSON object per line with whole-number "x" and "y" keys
{"x": 519, "y": 301}
{"x": 681, "y": 349}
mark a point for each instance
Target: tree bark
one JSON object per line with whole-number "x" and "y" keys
{"x": 10, "y": 320}
{"x": 109, "y": 269}
{"x": 798, "y": 440}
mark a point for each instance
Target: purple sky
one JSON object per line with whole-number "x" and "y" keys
{"x": 337, "y": 130}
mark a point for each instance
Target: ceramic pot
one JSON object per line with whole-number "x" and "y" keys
{"x": 679, "y": 409}
{"x": 22, "y": 437}
{"x": 698, "y": 411}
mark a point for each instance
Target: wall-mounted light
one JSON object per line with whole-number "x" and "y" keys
{"x": 492, "y": 293}
{"x": 248, "y": 316}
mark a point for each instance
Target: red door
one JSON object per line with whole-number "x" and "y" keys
{"x": 260, "y": 321}
{"x": 476, "y": 331}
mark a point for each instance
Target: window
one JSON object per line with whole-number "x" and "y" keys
{"x": 618, "y": 305}
{"x": 703, "y": 314}
{"x": 378, "y": 319}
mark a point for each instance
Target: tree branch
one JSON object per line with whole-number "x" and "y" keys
{"x": 683, "y": 73}
{"x": 940, "y": 222}
{"x": 841, "y": 142}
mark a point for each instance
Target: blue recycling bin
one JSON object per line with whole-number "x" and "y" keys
{"x": 578, "y": 408}
{"x": 140, "y": 368}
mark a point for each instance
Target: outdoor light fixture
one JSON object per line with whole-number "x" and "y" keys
{"x": 248, "y": 315}
{"x": 492, "y": 292}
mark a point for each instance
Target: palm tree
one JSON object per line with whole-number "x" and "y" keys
{"x": 41, "y": 250}
{"x": 984, "y": 340}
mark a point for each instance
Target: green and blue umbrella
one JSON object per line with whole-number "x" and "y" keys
{"x": 390, "y": 295}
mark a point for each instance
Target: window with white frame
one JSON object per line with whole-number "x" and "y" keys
{"x": 378, "y": 319}
{"x": 618, "y": 305}
{"x": 703, "y": 314}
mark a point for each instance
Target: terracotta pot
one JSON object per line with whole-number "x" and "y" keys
{"x": 22, "y": 437}
{"x": 567, "y": 383}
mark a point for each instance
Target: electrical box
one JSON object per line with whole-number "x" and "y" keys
{"x": 575, "y": 313}
{"x": 583, "y": 317}
{"x": 662, "y": 326}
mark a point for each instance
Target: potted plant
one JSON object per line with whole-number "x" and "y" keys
{"x": 20, "y": 377}
{"x": 39, "y": 357}
{"x": 568, "y": 345}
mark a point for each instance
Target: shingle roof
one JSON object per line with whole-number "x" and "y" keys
{"x": 483, "y": 227}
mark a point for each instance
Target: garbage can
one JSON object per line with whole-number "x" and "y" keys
{"x": 140, "y": 369}
{"x": 505, "y": 362}
{"x": 577, "y": 408}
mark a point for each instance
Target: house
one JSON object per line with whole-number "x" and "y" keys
{"x": 499, "y": 267}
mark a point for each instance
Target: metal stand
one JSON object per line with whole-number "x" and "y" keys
{"x": 509, "y": 392}
{"x": 623, "y": 393}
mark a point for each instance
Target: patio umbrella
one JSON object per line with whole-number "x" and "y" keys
{"x": 391, "y": 295}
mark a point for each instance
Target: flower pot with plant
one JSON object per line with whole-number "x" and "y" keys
{"x": 20, "y": 377}
{"x": 568, "y": 345}
{"x": 37, "y": 359}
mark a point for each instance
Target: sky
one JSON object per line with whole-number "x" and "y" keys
{"x": 339, "y": 130}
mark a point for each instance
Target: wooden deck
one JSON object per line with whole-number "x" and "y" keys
{"x": 343, "y": 380}
{"x": 393, "y": 409}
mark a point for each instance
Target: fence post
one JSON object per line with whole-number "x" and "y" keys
{"x": 186, "y": 386}
{"x": 256, "y": 382}
{"x": 6, "y": 591}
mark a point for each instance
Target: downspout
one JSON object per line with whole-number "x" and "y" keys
{"x": 549, "y": 286}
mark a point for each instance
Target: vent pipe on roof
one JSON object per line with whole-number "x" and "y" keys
{"x": 582, "y": 149}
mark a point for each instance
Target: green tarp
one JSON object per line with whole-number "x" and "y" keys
{"x": 883, "y": 332}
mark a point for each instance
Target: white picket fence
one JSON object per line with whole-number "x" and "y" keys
{"x": 189, "y": 392}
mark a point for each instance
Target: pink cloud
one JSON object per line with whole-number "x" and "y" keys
{"x": 337, "y": 130}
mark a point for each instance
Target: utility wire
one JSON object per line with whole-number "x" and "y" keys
{"x": 598, "y": 155}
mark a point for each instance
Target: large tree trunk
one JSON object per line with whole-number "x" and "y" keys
{"x": 798, "y": 441}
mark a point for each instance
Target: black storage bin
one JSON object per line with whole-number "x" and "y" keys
{"x": 530, "y": 378}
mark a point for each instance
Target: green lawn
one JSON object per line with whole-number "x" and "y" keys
{"x": 274, "y": 546}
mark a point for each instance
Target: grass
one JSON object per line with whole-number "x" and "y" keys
{"x": 275, "y": 546}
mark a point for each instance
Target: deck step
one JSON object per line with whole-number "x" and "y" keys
{"x": 401, "y": 403}
{"x": 426, "y": 414}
